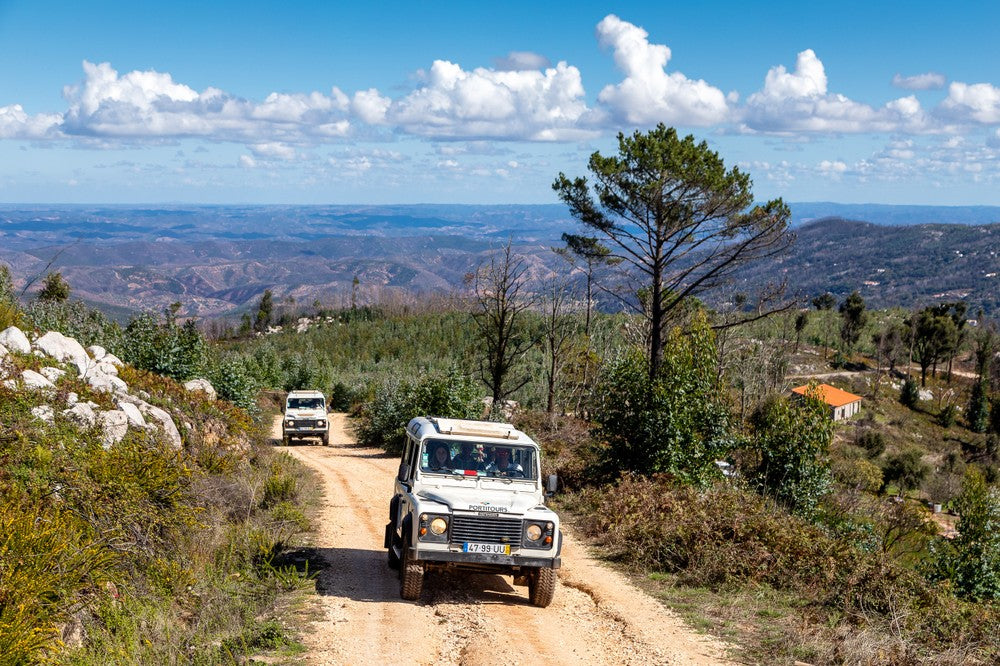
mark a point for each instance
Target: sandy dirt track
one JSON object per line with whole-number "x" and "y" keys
{"x": 597, "y": 617}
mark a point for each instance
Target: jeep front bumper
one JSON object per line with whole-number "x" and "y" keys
{"x": 481, "y": 559}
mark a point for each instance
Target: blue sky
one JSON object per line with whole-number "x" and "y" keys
{"x": 406, "y": 102}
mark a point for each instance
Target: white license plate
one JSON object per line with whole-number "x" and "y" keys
{"x": 491, "y": 548}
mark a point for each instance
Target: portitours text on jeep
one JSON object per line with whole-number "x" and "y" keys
{"x": 305, "y": 416}
{"x": 469, "y": 496}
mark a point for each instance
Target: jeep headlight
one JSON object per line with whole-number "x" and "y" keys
{"x": 290, "y": 423}
{"x": 439, "y": 525}
{"x": 320, "y": 423}
{"x": 534, "y": 532}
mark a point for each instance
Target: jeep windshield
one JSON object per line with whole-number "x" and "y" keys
{"x": 305, "y": 403}
{"x": 478, "y": 459}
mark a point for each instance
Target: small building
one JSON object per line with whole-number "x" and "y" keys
{"x": 843, "y": 405}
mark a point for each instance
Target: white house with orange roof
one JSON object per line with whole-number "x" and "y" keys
{"x": 843, "y": 405}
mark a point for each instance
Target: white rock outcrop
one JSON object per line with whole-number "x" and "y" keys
{"x": 82, "y": 414}
{"x": 132, "y": 413}
{"x": 200, "y": 384}
{"x": 166, "y": 422}
{"x": 52, "y": 373}
{"x": 36, "y": 381}
{"x": 44, "y": 413}
{"x": 63, "y": 349}
{"x": 97, "y": 352}
{"x": 14, "y": 339}
{"x": 114, "y": 426}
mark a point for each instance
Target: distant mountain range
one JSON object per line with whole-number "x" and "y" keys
{"x": 219, "y": 259}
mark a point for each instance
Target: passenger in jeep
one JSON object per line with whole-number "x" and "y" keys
{"x": 469, "y": 457}
{"x": 440, "y": 458}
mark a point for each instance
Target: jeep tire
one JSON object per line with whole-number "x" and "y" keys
{"x": 286, "y": 440}
{"x": 326, "y": 437}
{"x": 411, "y": 575}
{"x": 542, "y": 586}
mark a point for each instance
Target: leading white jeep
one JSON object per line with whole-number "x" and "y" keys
{"x": 305, "y": 416}
{"x": 469, "y": 496}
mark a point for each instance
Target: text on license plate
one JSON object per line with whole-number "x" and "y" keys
{"x": 491, "y": 548}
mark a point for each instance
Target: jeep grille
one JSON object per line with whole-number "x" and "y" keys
{"x": 485, "y": 530}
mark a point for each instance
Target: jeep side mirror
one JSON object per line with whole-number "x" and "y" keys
{"x": 404, "y": 472}
{"x": 551, "y": 484}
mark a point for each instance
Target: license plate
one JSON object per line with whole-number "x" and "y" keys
{"x": 490, "y": 548}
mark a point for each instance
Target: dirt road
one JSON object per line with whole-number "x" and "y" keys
{"x": 597, "y": 617}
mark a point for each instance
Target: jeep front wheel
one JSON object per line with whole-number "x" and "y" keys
{"x": 542, "y": 586}
{"x": 411, "y": 575}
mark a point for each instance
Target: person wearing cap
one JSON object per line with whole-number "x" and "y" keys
{"x": 503, "y": 465}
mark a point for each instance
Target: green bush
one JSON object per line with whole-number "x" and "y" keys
{"x": 395, "y": 401}
{"x": 674, "y": 423}
{"x": 76, "y": 320}
{"x": 166, "y": 349}
{"x": 872, "y": 441}
{"x": 909, "y": 393}
{"x": 791, "y": 440}
{"x": 234, "y": 383}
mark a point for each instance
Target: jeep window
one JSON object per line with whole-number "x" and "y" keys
{"x": 305, "y": 403}
{"x": 478, "y": 459}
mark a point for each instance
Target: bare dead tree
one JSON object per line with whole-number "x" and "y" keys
{"x": 500, "y": 302}
{"x": 560, "y": 328}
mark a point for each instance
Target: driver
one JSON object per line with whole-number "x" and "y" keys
{"x": 502, "y": 464}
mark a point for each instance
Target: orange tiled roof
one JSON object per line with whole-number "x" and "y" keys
{"x": 831, "y": 395}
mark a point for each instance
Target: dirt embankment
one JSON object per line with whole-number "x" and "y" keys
{"x": 597, "y": 617}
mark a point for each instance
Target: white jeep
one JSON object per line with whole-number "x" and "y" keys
{"x": 305, "y": 416}
{"x": 469, "y": 496}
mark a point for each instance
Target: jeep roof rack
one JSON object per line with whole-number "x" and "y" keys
{"x": 476, "y": 428}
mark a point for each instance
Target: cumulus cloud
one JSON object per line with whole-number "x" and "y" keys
{"x": 798, "y": 101}
{"x": 148, "y": 104}
{"x": 273, "y": 150}
{"x": 925, "y": 81}
{"x": 517, "y": 61}
{"x": 524, "y": 105}
{"x": 972, "y": 103}
{"x": 648, "y": 94}
{"x": 15, "y": 123}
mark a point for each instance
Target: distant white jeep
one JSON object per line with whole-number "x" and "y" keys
{"x": 469, "y": 496}
{"x": 305, "y": 416}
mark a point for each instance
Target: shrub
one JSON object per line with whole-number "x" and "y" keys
{"x": 872, "y": 441}
{"x": 233, "y": 383}
{"x": 395, "y": 401}
{"x": 971, "y": 561}
{"x": 76, "y": 320}
{"x": 909, "y": 393}
{"x": 906, "y": 469}
{"x": 791, "y": 440}
{"x": 674, "y": 423}
{"x": 166, "y": 349}
{"x": 946, "y": 417}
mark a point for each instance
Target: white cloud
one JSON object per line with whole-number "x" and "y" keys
{"x": 370, "y": 106}
{"x": 16, "y": 124}
{"x": 273, "y": 150}
{"x": 972, "y": 103}
{"x": 143, "y": 105}
{"x": 798, "y": 101}
{"x": 648, "y": 94}
{"x": 925, "y": 81}
{"x": 521, "y": 105}
{"x": 247, "y": 162}
{"x": 517, "y": 61}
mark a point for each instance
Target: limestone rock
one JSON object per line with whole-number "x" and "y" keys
{"x": 34, "y": 380}
{"x": 14, "y": 339}
{"x": 64, "y": 349}
{"x": 132, "y": 413}
{"x": 82, "y": 414}
{"x": 97, "y": 352}
{"x": 107, "y": 368}
{"x": 166, "y": 422}
{"x": 114, "y": 425}
{"x": 106, "y": 383}
{"x": 114, "y": 360}
{"x": 201, "y": 384}
{"x": 43, "y": 413}
{"x": 4, "y": 352}
{"x": 52, "y": 373}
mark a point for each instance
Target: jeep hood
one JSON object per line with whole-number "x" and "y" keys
{"x": 480, "y": 500}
